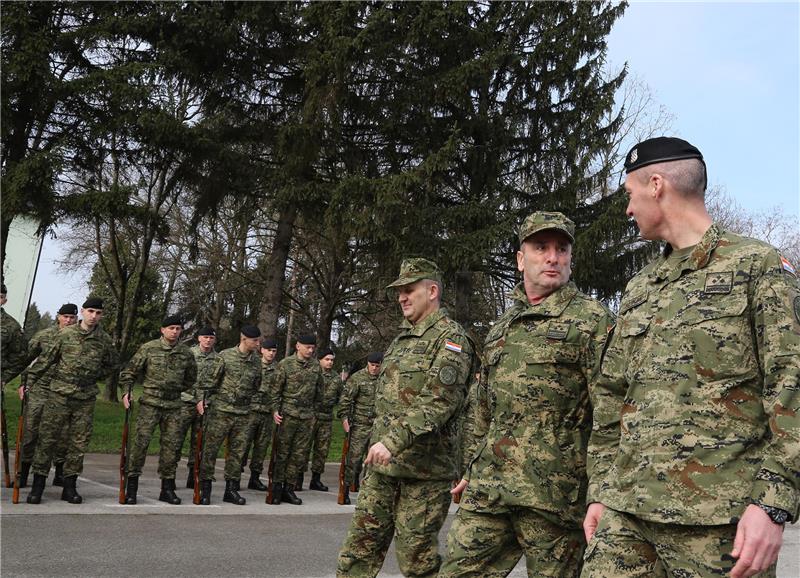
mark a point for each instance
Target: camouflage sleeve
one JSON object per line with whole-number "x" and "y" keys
{"x": 277, "y": 386}
{"x": 209, "y": 386}
{"x": 15, "y": 355}
{"x": 441, "y": 396}
{"x": 475, "y": 422}
{"x": 190, "y": 375}
{"x": 134, "y": 368}
{"x": 34, "y": 350}
{"x": 319, "y": 394}
{"x": 44, "y": 361}
{"x": 349, "y": 393}
{"x": 776, "y": 320}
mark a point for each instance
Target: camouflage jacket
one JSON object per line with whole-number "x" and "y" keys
{"x": 298, "y": 387}
{"x": 358, "y": 398}
{"x": 420, "y": 391}
{"x": 697, "y": 407}
{"x": 38, "y": 343}
{"x": 14, "y": 352}
{"x": 236, "y": 377}
{"x": 261, "y": 399}
{"x": 165, "y": 371}
{"x": 76, "y": 361}
{"x": 331, "y": 395}
{"x": 534, "y": 414}
{"x": 206, "y": 362}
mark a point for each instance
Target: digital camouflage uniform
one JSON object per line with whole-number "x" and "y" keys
{"x": 74, "y": 364}
{"x": 166, "y": 371}
{"x": 261, "y": 422}
{"x": 323, "y": 423}
{"x": 527, "y": 480}
{"x": 696, "y": 408}
{"x": 420, "y": 391}
{"x": 297, "y": 393}
{"x": 190, "y": 420}
{"x": 14, "y": 350}
{"x": 236, "y": 377}
{"x": 358, "y": 406}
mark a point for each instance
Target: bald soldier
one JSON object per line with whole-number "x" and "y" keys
{"x": 694, "y": 461}
{"x": 412, "y": 460}
{"x": 525, "y": 488}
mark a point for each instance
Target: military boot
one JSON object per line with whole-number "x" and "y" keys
{"x": 255, "y": 483}
{"x": 346, "y": 501}
{"x": 58, "y": 477}
{"x": 70, "y": 493}
{"x": 205, "y": 492}
{"x": 277, "y": 493}
{"x": 290, "y": 496}
{"x": 37, "y": 488}
{"x": 298, "y": 486}
{"x": 24, "y": 470}
{"x": 232, "y": 493}
{"x": 190, "y": 479}
{"x": 316, "y": 483}
{"x": 168, "y": 493}
{"x": 131, "y": 489}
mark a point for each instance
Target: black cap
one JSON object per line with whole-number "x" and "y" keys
{"x": 207, "y": 330}
{"x": 3, "y": 289}
{"x": 375, "y": 357}
{"x": 307, "y": 339}
{"x": 93, "y": 303}
{"x": 660, "y": 150}
{"x": 171, "y": 320}
{"x": 68, "y": 309}
{"x": 269, "y": 344}
{"x": 251, "y": 331}
{"x": 325, "y": 352}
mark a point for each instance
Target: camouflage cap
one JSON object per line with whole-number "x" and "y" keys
{"x": 413, "y": 270}
{"x": 543, "y": 221}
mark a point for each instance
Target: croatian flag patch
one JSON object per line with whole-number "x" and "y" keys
{"x": 450, "y": 346}
{"x": 787, "y": 266}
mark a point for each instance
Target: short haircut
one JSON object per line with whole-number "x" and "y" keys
{"x": 429, "y": 282}
{"x": 687, "y": 176}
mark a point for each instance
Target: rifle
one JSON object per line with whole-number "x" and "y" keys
{"x": 123, "y": 452}
{"x": 4, "y": 437}
{"x": 273, "y": 453}
{"x": 342, "y": 467}
{"x": 457, "y": 497}
{"x": 198, "y": 454}
{"x": 20, "y": 433}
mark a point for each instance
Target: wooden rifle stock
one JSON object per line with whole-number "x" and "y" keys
{"x": 20, "y": 434}
{"x": 123, "y": 452}
{"x": 272, "y": 455}
{"x": 198, "y": 454}
{"x": 4, "y": 439}
{"x": 342, "y": 468}
{"x": 457, "y": 497}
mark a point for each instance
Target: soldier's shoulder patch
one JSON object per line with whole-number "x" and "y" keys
{"x": 448, "y": 374}
{"x": 450, "y": 345}
{"x": 787, "y": 266}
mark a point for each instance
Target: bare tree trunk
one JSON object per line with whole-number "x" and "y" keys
{"x": 290, "y": 324}
{"x": 275, "y": 273}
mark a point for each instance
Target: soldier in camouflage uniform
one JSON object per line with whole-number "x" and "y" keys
{"x": 236, "y": 378}
{"x": 296, "y": 394}
{"x": 190, "y": 419}
{"x": 323, "y": 421}
{"x": 260, "y": 434}
{"x": 37, "y": 397}
{"x": 166, "y": 369}
{"x": 694, "y": 462}
{"x": 357, "y": 412}
{"x": 526, "y": 484}
{"x": 14, "y": 350}
{"x": 81, "y": 355}
{"x": 412, "y": 460}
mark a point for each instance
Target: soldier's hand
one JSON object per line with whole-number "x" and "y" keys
{"x": 378, "y": 454}
{"x": 276, "y": 417}
{"x": 201, "y": 407}
{"x": 346, "y": 425}
{"x": 125, "y": 401}
{"x": 757, "y": 543}
{"x": 593, "y": 514}
{"x": 459, "y": 487}
{"x": 21, "y": 391}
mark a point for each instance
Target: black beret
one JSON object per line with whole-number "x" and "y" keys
{"x": 251, "y": 331}
{"x": 658, "y": 150}
{"x": 93, "y": 303}
{"x": 307, "y": 339}
{"x": 269, "y": 344}
{"x": 171, "y": 320}
{"x": 207, "y": 330}
{"x": 3, "y": 289}
{"x": 375, "y": 357}
{"x": 325, "y": 352}
{"x": 68, "y": 309}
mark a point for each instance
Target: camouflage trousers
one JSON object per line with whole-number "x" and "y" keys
{"x": 293, "y": 438}
{"x": 359, "y": 443}
{"x": 220, "y": 425}
{"x": 319, "y": 445}
{"x": 34, "y": 408}
{"x": 190, "y": 422}
{"x": 64, "y": 416}
{"x": 625, "y": 546}
{"x": 168, "y": 422}
{"x": 412, "y": 511}
{"x": 259, "y": 435}
{"x": 490, "y": 544}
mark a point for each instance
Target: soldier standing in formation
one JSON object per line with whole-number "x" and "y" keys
{"x": 14, "y": 345}
{"x": 357, "y": 412}
{"x": 526, "y": 484}
{"x": 323, "y": 420}
{"x": 297, "y": 393}
{"x": 412, "y": 459}
{"x": 260, "y": 433}
{"x": 81, "y": 355}
{"x": 37, "y": 397}
{"x": 166, "y": 369}
{"x": 694, "y": 463}
{"x": 204, "y": 357}
{"x": 236, "y": 378}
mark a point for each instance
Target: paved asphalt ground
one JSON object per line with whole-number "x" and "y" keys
{"x": 102, "y": 538}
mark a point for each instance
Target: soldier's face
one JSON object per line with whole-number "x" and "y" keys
{"x": 171, "y": 333}
{"x": 268, "y": 355}
{"x": 326, "y": 362}
{"x": 91, "y": 317}
{"x": 3, "y": 299}
{"x": 206, "y": 342}
{"x": 305, "y": 351}
{"x": 418, "y": 300}
{"x": 642, "y": 204}
{"x": 545, "y": 260}
{"x": 249, "y": 343}
{"x": 65, "y": 319}
{"x": 373, "y": 368}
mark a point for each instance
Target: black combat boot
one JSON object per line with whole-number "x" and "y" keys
{"x": 190, "y": 479}
{"x": 58, "y": 477}
{"x": 346, "y": 501}
{"x": 290, "y": 496}
{"x": 70, "y": 493}
{"x": 37, "y": 488}
{"x": 205, "y": 492}
{"x": 255, "y": 483}
{"x": 232, "y": 493}
{"x": 131, "y": 489}
{"x": 277, "y": 493}
{"x": 298, "y": 486}
{"x": 316, "y": 483}
{"x": 168, "y": 494}
{"x": 24, "y": 470}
